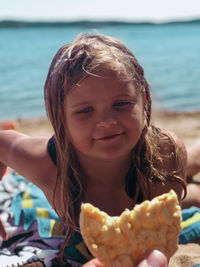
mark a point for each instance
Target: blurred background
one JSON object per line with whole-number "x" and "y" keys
{"x": 163, "y": 35}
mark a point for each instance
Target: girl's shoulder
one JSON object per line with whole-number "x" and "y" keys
{"x": 172, "y": 152}
{"x": 170, "y": 143}
{"x": 172, "y": 162}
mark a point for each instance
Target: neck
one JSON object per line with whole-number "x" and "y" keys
{"x": 105, "y": 172}
{"x": 106, "y": 184}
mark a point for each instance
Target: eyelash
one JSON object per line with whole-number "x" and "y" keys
{"x": 122, "y": 104}
{"x": 119, "y": 105}
{"x": 84, "y": 111}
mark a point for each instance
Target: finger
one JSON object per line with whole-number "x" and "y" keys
{"x": 93, "y": 263}
{"x": 3, "y": 233}
{"x": 154, "y": 259}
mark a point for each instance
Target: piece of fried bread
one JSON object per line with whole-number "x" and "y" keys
{"x": 123, "y": 241}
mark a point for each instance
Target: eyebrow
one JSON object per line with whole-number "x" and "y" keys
{"x": 125, "y": 95}
{"x": 80, "y": 104}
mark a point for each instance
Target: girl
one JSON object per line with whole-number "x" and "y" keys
{"x": 105, "y": 150}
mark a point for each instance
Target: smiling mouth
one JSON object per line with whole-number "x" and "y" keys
{"x": 110, "y": 137}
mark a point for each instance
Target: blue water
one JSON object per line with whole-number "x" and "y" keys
{"x": 169, "y": 53}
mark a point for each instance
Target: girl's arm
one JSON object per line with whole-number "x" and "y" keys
{"x": 28, "y": 156}
{"x": 193, "y": 164}
{"x": 3, "y": 231}
{"x": 2, "y": 169}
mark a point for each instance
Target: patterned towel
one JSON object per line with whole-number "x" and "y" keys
{"x": 33, "y": 205}
{"x": 34, "y": 230}
{"x": 190, "y": 225}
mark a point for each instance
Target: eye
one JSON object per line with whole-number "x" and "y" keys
{"x": 85, "y": 110}
{"x": 122, "y": 104}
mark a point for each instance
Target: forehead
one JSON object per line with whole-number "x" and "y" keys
{"x": 100, "y": 87}
{"x": 105, "y": 79}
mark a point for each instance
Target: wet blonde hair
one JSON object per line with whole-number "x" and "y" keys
{"x": 74, "y": 62}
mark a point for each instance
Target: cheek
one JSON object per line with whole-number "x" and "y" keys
{"x": 141, "y": 115}
{"x": 138, "y": 115}
{"x": 136, "y": 123}
{"x": 136, "y": 128}
{"x": 78, "y": 134}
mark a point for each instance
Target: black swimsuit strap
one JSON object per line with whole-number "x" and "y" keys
{"x": 51, "y": 147}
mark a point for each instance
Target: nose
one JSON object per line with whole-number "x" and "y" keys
{"x": 106, "y": 120}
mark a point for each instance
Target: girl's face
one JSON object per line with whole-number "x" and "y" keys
{"x": 104, "y": 117}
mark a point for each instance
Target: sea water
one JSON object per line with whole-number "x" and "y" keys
{"x": 169, "y": 54}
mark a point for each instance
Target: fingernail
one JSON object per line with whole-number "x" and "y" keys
{"x": 156, "y": 259}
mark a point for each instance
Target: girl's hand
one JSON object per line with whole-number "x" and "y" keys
{"x": 2, "y": 170}
{"x": 2, "y": 228}
{"x": 3, "y": 231}
{"x": 154, "y": 259}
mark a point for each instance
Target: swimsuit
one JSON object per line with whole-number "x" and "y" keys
{"x": 52, "y": 149}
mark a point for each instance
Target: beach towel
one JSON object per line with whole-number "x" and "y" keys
{"x": 190, "y": 225}
{"x": 34, "y": 230}
{"x": 24, "y": 244}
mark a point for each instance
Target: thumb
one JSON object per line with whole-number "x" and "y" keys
{"x": 154, "y": 259}
{"x": 93, "y": 263}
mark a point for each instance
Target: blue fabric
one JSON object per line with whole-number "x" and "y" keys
{"x": 77, "y": 250}
{"x": 36, "y": 199}
{"x": 188, "y": 213}
{"x": 191, "y": 232}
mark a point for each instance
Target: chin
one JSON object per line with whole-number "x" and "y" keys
{"x": 113, "y": 156}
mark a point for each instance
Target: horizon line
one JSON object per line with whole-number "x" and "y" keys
{"x": 47, "y": 22}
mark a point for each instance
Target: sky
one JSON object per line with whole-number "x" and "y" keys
{"x": 130, "y": 10}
